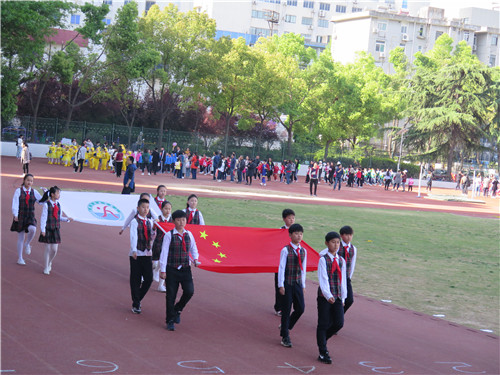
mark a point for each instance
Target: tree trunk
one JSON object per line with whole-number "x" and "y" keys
{"x": 228, "y": 121}
{"x": 129, "y": 135}
{"x": 289, "y": 141}
{"x": 327, "y": 147}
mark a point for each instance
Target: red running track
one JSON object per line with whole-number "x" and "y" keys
{"x": 80, "y": 316}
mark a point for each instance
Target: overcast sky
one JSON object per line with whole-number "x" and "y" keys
{"x": 452, "y": 6}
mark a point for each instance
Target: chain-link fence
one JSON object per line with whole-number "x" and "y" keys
{"x": 47, "y": 130}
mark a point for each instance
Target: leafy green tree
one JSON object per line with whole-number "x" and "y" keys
{"x": 176, "y": 48}
{"x": 232, "y": 63}
{"x": 25, "y": 25}
{"x": 452, "y": 101}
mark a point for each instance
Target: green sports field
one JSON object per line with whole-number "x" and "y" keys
{"x": 435, "y": 263}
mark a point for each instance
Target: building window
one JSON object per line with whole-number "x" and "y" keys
{"x": 382, "y": 26}
{"x": 292, "y": 3}
{"x": 290, "y": 19}
{"x": 380, "y": 46}
{"x": 258, "y": 14}
{"x": 404, "y": 29}
{"x": 340, "y": 8}
{"x": 307, "y": 37}
{"x": 319, "y": 39}
{"x": 109, "y": 2}
{"x": 260, "y": 32}
{"x": 323, "y": 23}
{"x": 438, "y": 34}
{"x": 75, "y": 19}
{"x": 403, "y": 46}
{"x": 324, "y": 6}
{"x": 309, "y": 4}
{"x": 421, "y": 31}
{"x": 419, "y": 48}
{"x": 494, "y": 40}
{"x": 307, "y": 21}
{"x": 466, "y": 36}
{"x": 107, "y": 21}
{"x": 356, "y": 10}
{"x": 493, "y": 59}
{"x": 127, "y": 1}
{"x": 149, "y": 4}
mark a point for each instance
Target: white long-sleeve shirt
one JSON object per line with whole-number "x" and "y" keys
{"x": 130, "y": 217}
{"x": 188, "y": 210}
{"x": 193, "y": 250}
{"x": 282, "y": 266}
{"x": 353, "y": 259}
{"x": 45, "y": 213}
{"x": 324, "y": 284}
{"x": 133, "y": 239}
{"x": 15, "y": 199}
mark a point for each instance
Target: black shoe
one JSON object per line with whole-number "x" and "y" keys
{"x": 170, "y": 326}
{"x": 136, "y": 310}
{"x": 325, "y": 358}
{"x": 177, "y": 318}
{"x": 285, "y": 341}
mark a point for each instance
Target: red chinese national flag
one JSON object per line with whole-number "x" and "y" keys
{"x": 241, "y": 249}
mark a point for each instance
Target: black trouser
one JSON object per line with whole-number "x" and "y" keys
{"x": 330, "y": 321}
{"x": 26, "y": 168}
{"x": 249, "y": 178}
{"x": 313, "y": 181}
{"x": 174, "y": 278}
{"x": 278, "y": 298}
{"x": 118, "y": 168}
{"x": 80, "y": 164}
{"x": 387, "y": 184}
{"x": 350, "y": 297}
{"x": 142, "y": 267}
{"x": 294, "y": 295}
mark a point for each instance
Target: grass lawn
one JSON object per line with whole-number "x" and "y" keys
{"x": 435, "y": 263}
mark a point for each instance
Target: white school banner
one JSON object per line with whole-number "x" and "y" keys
{"x": 100, "y": 208}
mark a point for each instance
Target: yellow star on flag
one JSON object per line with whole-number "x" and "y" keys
{"x": 216, "y": 260}
{"x": 216, "y": 244}
{"x": 203, "y": 235}
{"x": 222, "y": 255}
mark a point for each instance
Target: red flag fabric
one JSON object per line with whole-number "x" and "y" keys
{"x": 241, "y": 249}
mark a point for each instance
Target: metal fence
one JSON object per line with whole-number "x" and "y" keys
{"x": 49, "y": 130}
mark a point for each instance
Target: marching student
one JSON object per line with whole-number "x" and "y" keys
{"x": 50, "y": 224}
{"x": 292, "y": 282}
{"x": 348, "y": 252}
{"x": 141, "y": 266}
{"x": 131, "y": 216}
{"x": 193, "y": 215}
{"x": 161, "y": 192}
{"x": 178, "y": 246}
{"x": 23, "y": 210}
{"x": 332, "y": 292}
{"x": 288, "y": 216}
{"x": 165, "y": 217}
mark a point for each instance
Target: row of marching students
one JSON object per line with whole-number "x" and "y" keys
{"x": 24, "y": 221}
{"x": 163, "y": 257}
{"x": 335, "y": 269}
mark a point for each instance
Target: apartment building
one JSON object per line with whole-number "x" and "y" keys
{"x": 378, "y": 32}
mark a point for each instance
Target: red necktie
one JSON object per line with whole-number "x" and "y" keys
{"x": 347, "y": 255}
{"x": 335, "y": 267}
{"x": 300, "y": 260}
{"x": 158, "y": 202}
{"x": 183, "y": 241}
{"x": 27, "y": 198}
{"x": 55, "y": 211}
{"x": 190, "y": 218}
{"x": 145, "y": 227}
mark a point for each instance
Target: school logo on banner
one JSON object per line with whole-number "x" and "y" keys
{"x": 105, "y": 211}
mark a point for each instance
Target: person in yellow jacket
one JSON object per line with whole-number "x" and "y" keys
{"x": 66, "y": 159}
{"x": 88, "y": 153}
{"x": 97, "y": 158}
{"x": 105, "y": 159}
{"x": 59, "y": 153}
{"x": 51, "y": 155}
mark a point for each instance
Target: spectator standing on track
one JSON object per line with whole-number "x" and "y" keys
{"x": 332, "y": 292}
{"x": 339, "y": 174}
{"x": 250, "y": 171}
{"x": 25, "y": 159}
{"x": 23, "y": 211}
{"x": 178, "y": 245}
{"x": 429, "y": 181}
{"x": 314, "y": 174}
{"x": 292, "y": 282}
{"x": 119, "y": 161}
{"x": 194, "y": 165}
{"x": 129, "y": 177}
{"x": 397, "y": 181}
{"x": 140, "y": 255}
{"x": 155, "y": 161}
{"x": 50, "y": 224}
{"x": 19, "y": 144}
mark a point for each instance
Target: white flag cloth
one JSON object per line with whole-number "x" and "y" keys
{"x": 100, "y": 208}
